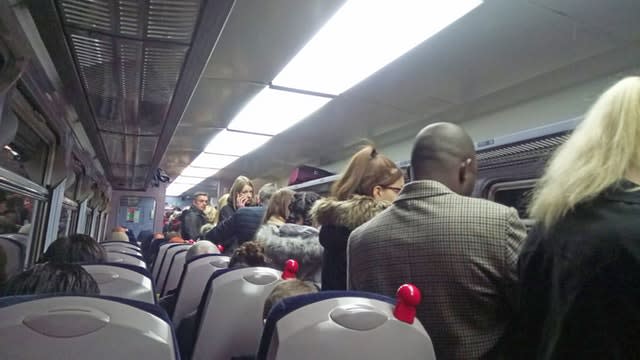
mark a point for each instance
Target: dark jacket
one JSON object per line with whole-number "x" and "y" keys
{"x": 192, "y": 221}
{"x": 240, "y": 227}
{"x": 337, "y": 219}
{"x": 580, "y": 283}
{"x": 226, "y": 211}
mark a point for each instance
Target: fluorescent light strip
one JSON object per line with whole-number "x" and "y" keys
{"x": 363, "y": 37}
{"x": 198, "y": 172}
{"x": 273, "y": 111}
{"x": 177, "y": 189}
{"x": 235, "y": 143}
{"x": 187, "y": 180}
{"x": 213, "y": 161}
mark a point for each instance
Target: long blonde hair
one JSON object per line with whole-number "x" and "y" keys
{"x": 222, "y": 201}
{"x": 600, "y": 152}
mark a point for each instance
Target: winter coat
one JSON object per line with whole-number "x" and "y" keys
{"x": 297, "y": 242}
{"x": 192, "y": 221}
{"x": 337, "y": 219}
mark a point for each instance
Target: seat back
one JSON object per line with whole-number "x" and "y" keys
{"x": 174, "y": 273}
{"x": 14, "y": 246}
{"x": 120, "y": 243}
{"x": 231, "y": 313}
{"x": 356, "y": 325}
{"x": 157, "y": 264}
{"x": 79, "y": 327}
{"x": 125, "y": 281}
{"x": 124, "y": 250}
{"x": 114, "y": 257}
{"x": 166, "y": 264}
{"x": 194, "y": 279}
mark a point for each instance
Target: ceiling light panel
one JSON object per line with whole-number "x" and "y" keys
{"x": 187, "y": 180}
{"x": 213, "y": 161}
{"x": 273, "y": 111}
{"x": 177, "y": 189}
{"x": 364, "y": 36}
{"x": 198, "y": 172}
{"x": 235, "y": 143}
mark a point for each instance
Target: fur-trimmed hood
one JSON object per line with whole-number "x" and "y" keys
{"x": 348, "y": 213}
{"x": 292, "y": 241}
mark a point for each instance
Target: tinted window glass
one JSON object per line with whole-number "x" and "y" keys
{"x": 16, "y": 217}
{"x": 517, "y": 198}
{"x": 23, "y": 151}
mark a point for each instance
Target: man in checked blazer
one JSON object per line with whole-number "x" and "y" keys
{"x": 460, "y": 251}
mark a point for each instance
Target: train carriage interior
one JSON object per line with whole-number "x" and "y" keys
{"x": 124, "y": 122}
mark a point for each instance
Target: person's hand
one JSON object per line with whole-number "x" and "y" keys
{"x": 242, "y": 200}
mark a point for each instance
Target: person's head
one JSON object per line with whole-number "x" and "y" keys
{"x": 603, "y": 150}
{"x": 371, "y": 174}
{"x": 444, "y": 152}
{"x": 52, "y": 278}
{"x": 200, "y": 248}
{"x": 158, "y": 236}
{"x": 76, "y": 248}
{"x": 241, "y": 191}
{"x": 119, "y": 229}
{"x": 200, "y": 200}
{"x": 250, "y": 253}
{"x": 266, "y": 192}
{"x": 174, "y": 237}
{"x": 210, "y": 213}
{"x": 119, "y": 236}
{"x": 300, "y": 208}
{"x": 286, "y": 289}
{"x": 222, "y": 201}
{"x": 278, "y": 205}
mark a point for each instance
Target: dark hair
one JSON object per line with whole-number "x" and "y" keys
{"x": 76, "y": 248}
{"x": 52, "y": 278}
{"x": 200, "y": 193}
{"x": 300, "y": 207}
{"x": 279, "y": 204}
{"x": 250, "y": 253}
{"x": 366, "y": 170}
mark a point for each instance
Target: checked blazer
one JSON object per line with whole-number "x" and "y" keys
{"x": 460, "y": 251}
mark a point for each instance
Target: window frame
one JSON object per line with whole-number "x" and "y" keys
{"x": 528, "y": 184}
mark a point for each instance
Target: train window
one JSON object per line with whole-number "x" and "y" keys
{"x": 23, "y": 151}
{"x": 89, "y": 218}
{"x": 515, "y": 194}
{"x": 16, "y": 219}
{"x": 68, "y": 220}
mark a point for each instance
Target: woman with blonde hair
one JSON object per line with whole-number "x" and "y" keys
{"x": 580, "y": 266}
{"x": 240, "y": 195}
{"x": 368, "y": 185}
{"x": 222, "y": 202}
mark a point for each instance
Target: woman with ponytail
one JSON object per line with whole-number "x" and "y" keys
{"x": 369, "y": 184}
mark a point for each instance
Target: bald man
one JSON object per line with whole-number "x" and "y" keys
{"x": 460, "y": 251}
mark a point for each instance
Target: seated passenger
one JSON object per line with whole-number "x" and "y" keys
{"x": 76, "y": 248}
{"x": 119, "y": 234}
{"x": 243, "y": 224}
{"x": 462, "y": 249}
{"x": 158, "y": 240}
{"x": 175, "y": 238}
{"x": 295, "y": 240}
{"x": 145, "y": 237}
{"x": 249, "y": 254}
{"x": 52, "y": 278}
{"x": 580, "y": 266}
{"x": 368, "y": 185}
{"x": 284, "y": 290}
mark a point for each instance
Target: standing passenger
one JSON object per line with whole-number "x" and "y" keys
{"x": 580, "y": 267}
{"x": 368, "y": 185}
{"x": 460, "y": 250}
{"x": 241, "y": 195}
{"x": 194, "y": 217}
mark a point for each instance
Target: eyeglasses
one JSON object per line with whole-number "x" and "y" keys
{"x": 392, "y": 188}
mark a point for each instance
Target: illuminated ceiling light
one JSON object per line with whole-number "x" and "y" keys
{"x": 187, "y": 180}
{"x": 213, "y": 161}
{"x": 198, "y": 172}
{"x": 273, "y": 111}
{"x": 362, "y": 37}
{"x": 235, "y": 143}
{"x": 177, "y": 189}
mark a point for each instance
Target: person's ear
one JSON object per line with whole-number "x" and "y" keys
{"x": 376, "y": 193}
{"x": 463, "y": 171}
